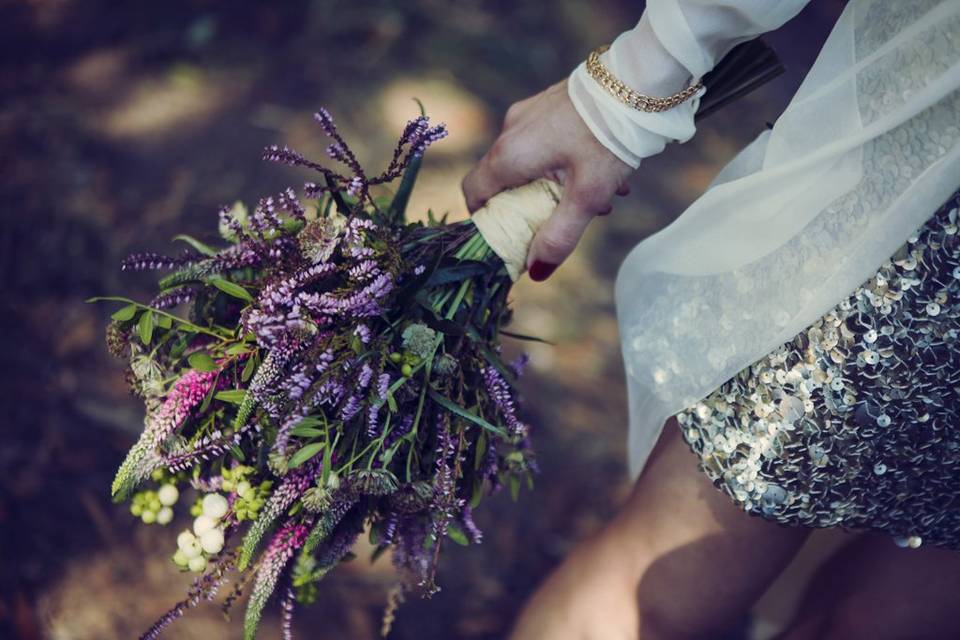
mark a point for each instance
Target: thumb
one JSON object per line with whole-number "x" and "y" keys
{"x": 561, "y": 232}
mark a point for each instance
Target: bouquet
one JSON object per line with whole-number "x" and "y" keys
{"x": 336, "y": 370}
{"x": 329, "y": 369}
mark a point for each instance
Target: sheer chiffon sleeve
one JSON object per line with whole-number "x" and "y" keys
{"x": 676, "y": 42}
{"x": 865, "y": 152}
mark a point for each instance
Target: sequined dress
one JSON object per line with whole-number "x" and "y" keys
{"x": 855, "y": 423}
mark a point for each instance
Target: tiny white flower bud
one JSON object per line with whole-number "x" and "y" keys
{"x": 203, "y": 523}
{"x": 212, "y": 541}
{"x": 215, "y": 505}
{"x": 148, "y": 517}
{"x": 197, "y": 563}
{"x": 168, "y": 495}
{"x": 165, "y": 515}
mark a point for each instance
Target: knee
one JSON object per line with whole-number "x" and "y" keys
{"x": 672, "y": 619}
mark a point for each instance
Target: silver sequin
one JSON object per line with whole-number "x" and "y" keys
{"x": 856, "y": 422}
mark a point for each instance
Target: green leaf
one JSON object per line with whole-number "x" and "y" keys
{"x": 304, "y": 454}
{"x": 207, "y": 399}
{"x": 514, "y": 488}
{"x": 461, "y": 271}
{"x": 201, "y": 361}
{"x": 307, "y": 432}
{"x": 237, "y": 453}
{"x": 392, "y": 403}
{"x": 327, "y": 466}
{"x": 481, "y": 451}
{"x": 164, "y": 321}
{"x": 521, "y": 336}
{"x": 248, "y": 369}
{"x": 205, "y": 249}
{"x": 398, "y": 208}
{"x": 237, "y": 349}
{"x": 231, "y": 289}
{"x": 145, "y": 327}
{"x": 233, "y": 396}
{"x": 125, "y": 313}
{"x": 457, "y": 535}
{"x": 477, "y": 496}
{"x": 463, "y": 413}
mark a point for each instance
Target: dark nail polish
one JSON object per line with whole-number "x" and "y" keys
{"x": 540, "y": 271}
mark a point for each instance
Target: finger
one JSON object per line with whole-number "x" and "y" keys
{"x": 561, "y": 232}
{"x": 501, "y": 168}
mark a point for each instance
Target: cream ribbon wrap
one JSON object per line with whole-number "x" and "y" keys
{"x": 509, "y": 220}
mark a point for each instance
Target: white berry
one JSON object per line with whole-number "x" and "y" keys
{"x": 148, "y": 517}
{"x": 192, "y": 548}
{"x": 184, "y": 537}
{"x": 215, "y": 505}
{"x": 243, "y": 487}
{"x": 212, "y": 541}
{"x": 203, "y": 523}
{"x": 197, "y": 563}
{"x": 165, "y": 515}
{"x": 180, "y": 558}
{"x": 168, "y": 495}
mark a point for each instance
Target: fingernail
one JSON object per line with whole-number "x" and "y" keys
{"x": 540, "y": 271}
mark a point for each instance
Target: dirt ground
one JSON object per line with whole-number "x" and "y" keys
{"x": 123, "y": 124}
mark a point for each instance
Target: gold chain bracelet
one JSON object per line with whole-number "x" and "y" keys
{"x": 628, "y": 96}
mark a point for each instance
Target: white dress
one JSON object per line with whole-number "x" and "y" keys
{"x": 866, "y": 150}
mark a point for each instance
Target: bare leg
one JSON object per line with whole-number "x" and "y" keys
{"x": 873, "y": 589}
{"x": 678, "y": 561}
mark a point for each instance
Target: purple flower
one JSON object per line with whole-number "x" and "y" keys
{"x": 296, "y": 482}
{"x": 476, "y": 536}
{"x": 282, "y": 546}
{"x": 499, "y": 391}
{"x": 363, "y": 332}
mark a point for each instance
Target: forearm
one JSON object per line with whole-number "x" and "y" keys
{"x": 674, "y": 44}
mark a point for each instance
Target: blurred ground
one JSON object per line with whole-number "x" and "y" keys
{"x": 124, "y": 123}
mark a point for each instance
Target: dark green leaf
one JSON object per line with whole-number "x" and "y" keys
{"x": 145, "y": 327}
{"x": 378, "y": 552}
{"x": 205, "y": 249}
{"x": 233, "y": 396}
{"x": 514, "y": 488}
{"x": 201, "y": 361}
{"x": 231, "y": 289}
{"x": 521, "y": 336}
{"x": 237, "y": 453}
{"x": 398, "y": 208}
{"x": 125, "y": 313}
{"x": 463, "y": 413}
{"x": 461, "y": 271}
{"x": 305, "y": 454}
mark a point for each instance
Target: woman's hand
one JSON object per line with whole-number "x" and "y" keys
{"x": 544, "y": 137}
